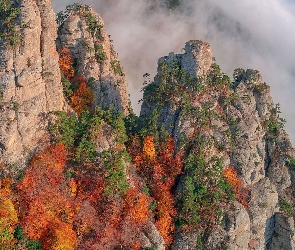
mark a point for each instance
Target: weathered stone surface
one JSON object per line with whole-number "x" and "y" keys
{"x": 197, "y": 58}
{"x": 95, "y": 57}
{"x": 106, "y": 139}
{"x": 186, "y": 241}
{"x": 30, "y": 83}
{"x": 258, "y": 147}
{"x": 153, "y": 235}
{"x": 279, "y": 153}
{"x": 237, "y": 227}
{"x": 283, "y": 235}
{"x": 262, "y": 207}
{"x": 216, "y": 239}
{"x": 249, "y": 155}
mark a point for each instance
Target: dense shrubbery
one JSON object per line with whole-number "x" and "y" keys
{"x": 79, "y": 133}
{"x": 159, "y": 167}
{"x": 275, "y": 122}
{"x": 172, "y": 82}
{"x": 204, "y": 190}
{"x": 9, "y": 13}
{"x": 76, "y": 88}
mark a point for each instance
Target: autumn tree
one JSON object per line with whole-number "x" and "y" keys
{"x": 8, "y": 215}
{"x": 66, "y": 63}
{"x": 76, "y": 88}
{"x": 241, "y": 193}
{"x": 159, "y": 168}
{"x": 46, "y": 211}
{"x": 82, "y": 96}
{"x": 136, "y": 208}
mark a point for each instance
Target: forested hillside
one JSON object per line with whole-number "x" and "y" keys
{"x": 206, "y": 165}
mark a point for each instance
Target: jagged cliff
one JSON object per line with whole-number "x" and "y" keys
{"x": 82, "y": 31}
{"x": 30, "y": 74}
{"x": 239, "y": 124}
{"x": 206, "y": 165}
{"x": 30, "y": 81}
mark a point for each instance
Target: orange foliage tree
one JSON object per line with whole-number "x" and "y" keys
{"x": 159, "y": 170}
{"x": 8, "y": 215}
{"x": 82, "y": 96}
{"x": 46, "y": 211}
{"x": 136, "y": 207}
{"x": 149, "y": 147}
{"x": 236, "y": 183}
{"x": 65, "y": 63}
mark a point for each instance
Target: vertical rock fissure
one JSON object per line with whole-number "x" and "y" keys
{"x": 16, "y": 85}
{"x": 267, "y": 160}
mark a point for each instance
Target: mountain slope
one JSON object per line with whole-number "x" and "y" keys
{"x": 30, "y": 80}
{"x": 206, "y": 165}
{"x": 237, "y": 125}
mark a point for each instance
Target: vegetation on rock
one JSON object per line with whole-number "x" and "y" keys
{"x": 106, "y": 181}
{"x": 76, "y": 88}
{"x": 9, "y": 17}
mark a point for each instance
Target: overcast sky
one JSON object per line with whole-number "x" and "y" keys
{"x": 248, "y": 34}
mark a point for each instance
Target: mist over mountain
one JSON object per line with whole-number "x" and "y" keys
{"x": 207, "y": 163}
{"x": 243, "y": 34}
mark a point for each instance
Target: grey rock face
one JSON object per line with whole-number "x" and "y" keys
{"x": 30, "y": 82}
{"x": 197, "y": 58}
{"x": 262, "y": 208}
{"x": 283, "y": 235}
{"x": 153, "y": 236}
{"x": 249, "y": 155}
{"x": 95, "y": 57}
{"x": 186, "y": 241}
{"x": 237, "y": 227}
{"x": 258, "y": 149}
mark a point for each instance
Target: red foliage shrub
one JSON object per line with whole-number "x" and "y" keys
{"x": 159, "y": 170}
{"x": 65, "y": 63}
{"x": 46, "y": 212}
{"x": 136, "y": 207}
{"x": 236, "y": 183}
{"x": 82, "y": 97}
{"x": 90, "y": 188}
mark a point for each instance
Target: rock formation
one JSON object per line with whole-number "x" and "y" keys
{"x": 84, "y": 34}
{"x": 215, "y": 147}
{"x": 244, "y": 129}
{"x": 30, "y": 82}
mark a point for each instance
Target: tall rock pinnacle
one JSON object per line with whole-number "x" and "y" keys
{"x": 82, "y": 31}
{"x": 30, "y": 81}
{"x": 235, "y": 122}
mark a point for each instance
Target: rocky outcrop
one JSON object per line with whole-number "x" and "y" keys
{"x": 152, "y": 237}
{"x": 262, "y": 208}
{"x": 197, "y": 58}
{"x": 82, "y": 31}
{"x": 243, "y": 127}
{"x": 237, "y": 226}
{"x": 30, "y": 83}
{"x": 283, "y": 235}
{"x": 217, "y": 124}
